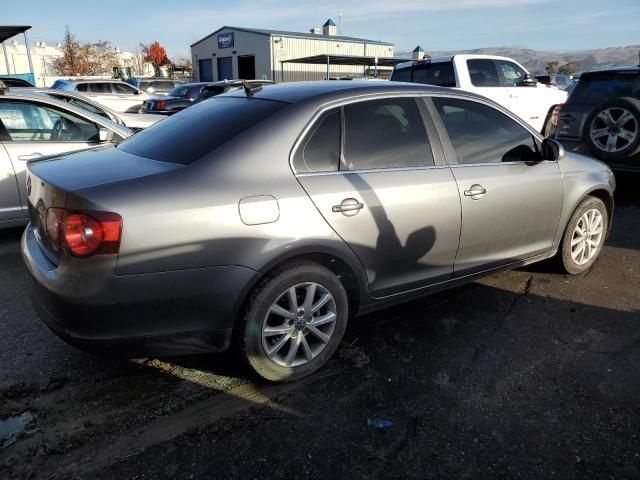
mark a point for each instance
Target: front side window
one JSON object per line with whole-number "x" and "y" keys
{"x": 385, "y": 133}
{"x": 30, "y": 122}
{"x": 484, "y": 73}
{"x": 320, "y": 150}
{"x": 512, "y": 73}
{"x": 98, "y": 87}
{"x": 482, "y": 134}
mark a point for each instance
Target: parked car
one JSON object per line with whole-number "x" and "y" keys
{"x": 15, "y": 82}
{"x": 117, "y": 95}
{"x": 133, "y": 121}
{"x": 154, "y": 85}
{"x": 191, "y": 93}
{"x": 317, "y": 201}
{"x": 34, "y": 126}
{"x": 555, "y": 80}
{"x": 602, "y": 117}
{"x": 501, "y": 79}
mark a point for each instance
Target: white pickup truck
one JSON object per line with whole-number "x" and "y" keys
{"x": 501, "y": 79}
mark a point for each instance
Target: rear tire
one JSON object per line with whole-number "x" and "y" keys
{"x": 294, "y": 321}
{"x": 612, "y": 129}
{"x": 584, "y": 236}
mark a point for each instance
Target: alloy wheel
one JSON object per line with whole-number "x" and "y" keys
{"x": 614, "y": 129}
{"x": 299, "y": 324}
{"x": 587, "y": 237}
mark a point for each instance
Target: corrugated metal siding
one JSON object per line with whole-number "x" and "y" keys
{"x": 269, "y": 51}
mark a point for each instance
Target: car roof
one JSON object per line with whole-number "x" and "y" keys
{"x": 31, "y": 94}
{"x": 60, "y": 93}
{"x": 92, "y": 80}
{"x": 322, "y": 91}
{"x": 624, "y": 69}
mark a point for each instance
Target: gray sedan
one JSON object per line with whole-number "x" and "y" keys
{"x": 33, "y": 125}
{"x": 316, "y": 202}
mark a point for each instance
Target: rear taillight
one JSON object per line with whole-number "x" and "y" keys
{"x": 555, "y": 115}
{"x": 84, "y": 234}
{"x": 160, "y": 105}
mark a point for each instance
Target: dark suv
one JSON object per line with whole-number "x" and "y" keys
{"x": 602, "y": 117}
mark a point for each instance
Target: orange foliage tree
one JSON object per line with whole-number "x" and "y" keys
{"x": 155, "y": 54}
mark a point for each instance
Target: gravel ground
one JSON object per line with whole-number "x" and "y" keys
{"x": 525, "y": 374}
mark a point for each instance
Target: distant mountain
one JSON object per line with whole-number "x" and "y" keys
{"x": 535, "y": 61}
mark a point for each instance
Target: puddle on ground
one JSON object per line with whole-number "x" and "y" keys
{"x": 11, "y": 427}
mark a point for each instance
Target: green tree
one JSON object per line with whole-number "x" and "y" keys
{"x": 552, "y": 67}
{"x": 569, "y": 68}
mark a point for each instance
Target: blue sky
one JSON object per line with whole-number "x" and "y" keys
{"x": 554, "y": 25}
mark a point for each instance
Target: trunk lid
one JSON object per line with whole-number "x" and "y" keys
{"x": 50, "y": 181}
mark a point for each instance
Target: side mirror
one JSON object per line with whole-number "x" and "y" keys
{"x": 552, "y": 150}
{"x": 105, "y": 135}
{"x": 528, "y": 81}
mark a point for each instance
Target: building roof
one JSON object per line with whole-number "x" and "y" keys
{"x": 347, "y": 60}
{"x": 8, "y": 31}
{"x": 283, "y": 33}
{"x": 418, "y": 49}
{"x": 329, "y": 23}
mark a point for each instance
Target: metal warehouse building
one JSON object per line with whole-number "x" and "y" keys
{"x": 250, "y": 53}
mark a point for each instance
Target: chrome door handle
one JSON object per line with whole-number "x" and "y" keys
{"x": 25, "y": 158}
{"x": 475, "y": 192}
{"x": 348, "y": 206}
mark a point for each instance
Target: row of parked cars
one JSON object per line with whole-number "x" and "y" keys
{"x": 266, "y": 217}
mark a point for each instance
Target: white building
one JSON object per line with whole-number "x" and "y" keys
{"x": 251, "y": 53}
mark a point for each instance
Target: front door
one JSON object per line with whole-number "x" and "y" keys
{"x": 528, "y": 102}
{"x": 225, "y": 68}
{"x": 511, "y": 198}
{"x": 35, "y": 130}
{"x": 382, "y": 193}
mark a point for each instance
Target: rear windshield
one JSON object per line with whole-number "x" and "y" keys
{"x": 440, "y": 74}
{"x": 594, "y": 89}
{"x": 189, "y": 135}
{"x": 180, "y": 91}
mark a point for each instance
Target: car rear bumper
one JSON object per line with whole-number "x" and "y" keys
{"x": 158, "y": 314}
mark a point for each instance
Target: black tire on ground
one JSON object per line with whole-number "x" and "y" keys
{"x": 568, "y": 264}
{"x": 258, "y": 306}
{"x": 632, "y": 105}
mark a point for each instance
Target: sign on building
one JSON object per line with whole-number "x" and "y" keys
{"x": 225, "y": 40}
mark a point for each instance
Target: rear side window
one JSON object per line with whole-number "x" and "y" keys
{"x": 199, "y": 130}
{"x": 482, "y": 134}
{"x": 385, "y": 133}
{"x": 483, "y": 73}
{"x": 320, "y": 150}
{"x": 440, "y": 74}
{"x": 595, "y": 89}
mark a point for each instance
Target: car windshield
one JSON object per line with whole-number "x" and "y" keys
{"x": 592, "y": 89}
{"x": 198, "y": 130}
{"x": 180, "y": 91}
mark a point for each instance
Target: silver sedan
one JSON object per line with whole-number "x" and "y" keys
{"x": 265, "y": 218}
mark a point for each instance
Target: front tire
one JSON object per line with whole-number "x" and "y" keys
{"x": 584, "y": 236}
{"x": 294, "y": 321}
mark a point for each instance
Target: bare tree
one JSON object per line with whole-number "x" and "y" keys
{"x": 79, "y": 59}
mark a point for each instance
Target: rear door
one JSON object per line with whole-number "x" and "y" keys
{"x": 36, "y": 129}
{"x": 371, "y": 170}
{"x": 485, "y": 80}
{"x": 10, "y": 205}
{"x": 511, "y": 198}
